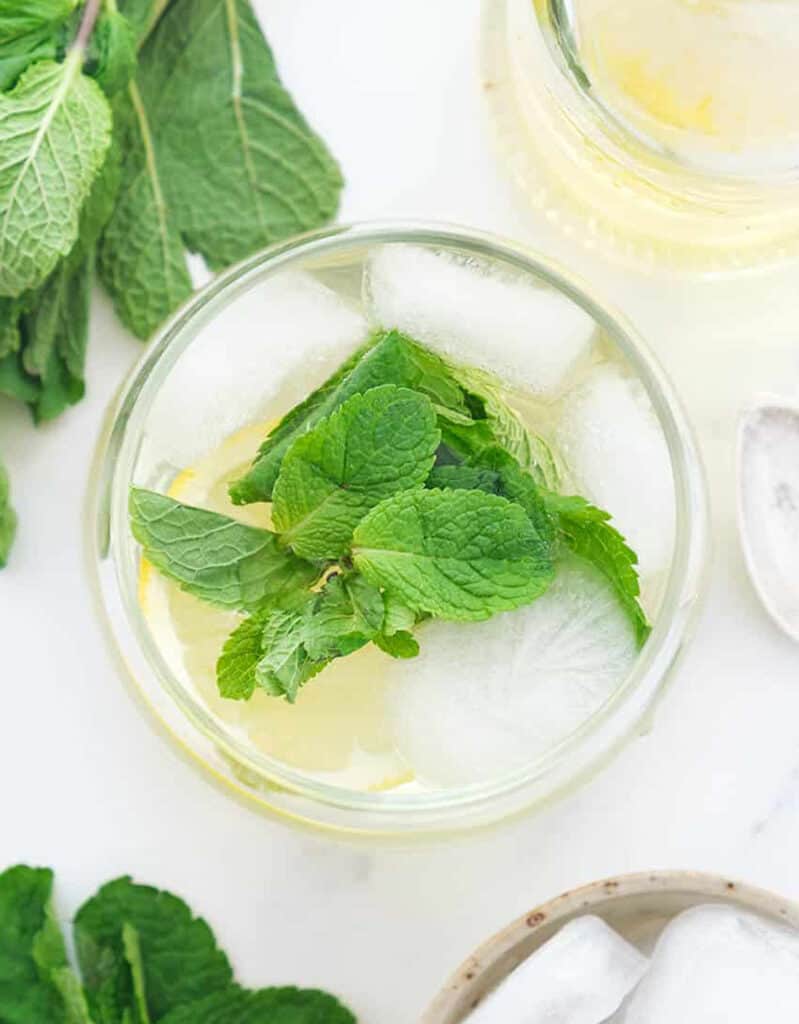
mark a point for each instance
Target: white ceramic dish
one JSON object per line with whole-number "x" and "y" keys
{"x": 637, "y": 906}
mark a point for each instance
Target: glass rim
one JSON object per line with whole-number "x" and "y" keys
{"x": 118, "y": 447}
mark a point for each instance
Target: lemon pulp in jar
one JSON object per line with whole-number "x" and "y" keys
{"x": 670, "y": 128}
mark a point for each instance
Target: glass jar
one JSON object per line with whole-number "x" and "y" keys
{"x": 133, "y": 451}
{"x": 661, "y": 131}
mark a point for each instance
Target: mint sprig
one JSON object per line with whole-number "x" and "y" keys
{"x": 397, "y": 494}
{"x": 144, "y": 959}
{"x": 281, "y": 649}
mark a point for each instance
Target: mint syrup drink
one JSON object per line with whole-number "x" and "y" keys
{"x": 401, "y": 523}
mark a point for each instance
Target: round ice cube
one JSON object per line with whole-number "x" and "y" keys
{"x": 719, "y": 965}
{"x": 484, "y": 698}
{"x": 283, "y": 337}
{"x": 530, "y": 335}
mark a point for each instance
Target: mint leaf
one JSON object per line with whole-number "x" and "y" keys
{"x": 178, "y": 958}
{"x": 17, "y": 54}
{"x": 398, "y": 616}
{"x": 111, "y": 60}
{"x": 20, "y": 19}
{"x": 141, "y": 258}
{"x": 8, "y": 518}
{"x": 285, "y": 664}
{"x": 346, "y": 614}
{"x": 131, "y": 946}
{"x": 216, "y": 558}
{"x": 235, "y": 669}
{"x": 399, "y": 645}
{"x": 53, "y": 327}
{"x": 461, "y": 555}
{"x": 15, "y": 382}
{"x": 206, "y": 73}
{"x": 374, "y": 445}
{"x": 587, "y": 531}
{"x": 267, "y": 1006}
{"x": 10, "y": 339}
{"x": 518, "y": 486}
{"x": 34, "y": 974}
{"x": 464, "y": 478}
{"x": 498, "y": 424}
{"x": 297, "y": 643}
{"x": 55, "y": 128}
{"x": 390, "y": 358}
{"x": 54, "y": 337}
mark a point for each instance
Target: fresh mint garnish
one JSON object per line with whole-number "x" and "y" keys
{"x": 216, "y": 558}
{"x": 389, "y": 358}
{"x": 461, "y": 555}
{"x": 374, "y": 445}
{"x": 8, "y": 518}
{"x": 144, "y": 959}
{"x": 401, "y": 644}
{"x": 297, "y": 643}
{"x": 345, "y": 616}
{"x": 390, "y": 485}
{"x": 282, "y": 648}
{"x": 464, "y": 478}
{"x": 570, "y": 520}
{"x": 285, "y": 664}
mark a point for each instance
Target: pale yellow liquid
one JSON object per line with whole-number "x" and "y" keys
{"x": 714, "y": 82}
{"x": 658, "y": 130}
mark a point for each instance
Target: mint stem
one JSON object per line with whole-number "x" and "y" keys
{"x": 90, "y": 13}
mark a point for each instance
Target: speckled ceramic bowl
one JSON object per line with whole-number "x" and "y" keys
{"x": 637, "y": 906}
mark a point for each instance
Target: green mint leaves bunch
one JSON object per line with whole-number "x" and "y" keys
{"x": 143, "y": 957}
{"x": 134, "y": 132}
{"x": 403, "y": 488}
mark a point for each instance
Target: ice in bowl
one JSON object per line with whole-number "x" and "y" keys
{"x": 712, "y": 964}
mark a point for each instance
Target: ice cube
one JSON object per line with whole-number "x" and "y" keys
{"x": 482, "y": 699}
{"x": 529, "y": 334}
{"x": 282, "y": 337}
{"x": 716, "y": 964}
{"x": 615, "y": 450}
{"x": 580, "y": 976}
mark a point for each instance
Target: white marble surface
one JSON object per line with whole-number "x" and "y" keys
{"x": 89, "y": 788}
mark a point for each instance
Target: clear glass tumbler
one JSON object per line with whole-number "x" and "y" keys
{"x": 139, "y": 447}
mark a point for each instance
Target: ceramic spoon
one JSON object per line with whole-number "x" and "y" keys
{"x": 768, "y": 505}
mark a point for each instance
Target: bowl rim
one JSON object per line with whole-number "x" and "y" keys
{"x": 465, "y": 982}
{"x": 114, "y": 457}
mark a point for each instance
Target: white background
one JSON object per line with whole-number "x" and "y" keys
{"x": 89, "y": 788}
